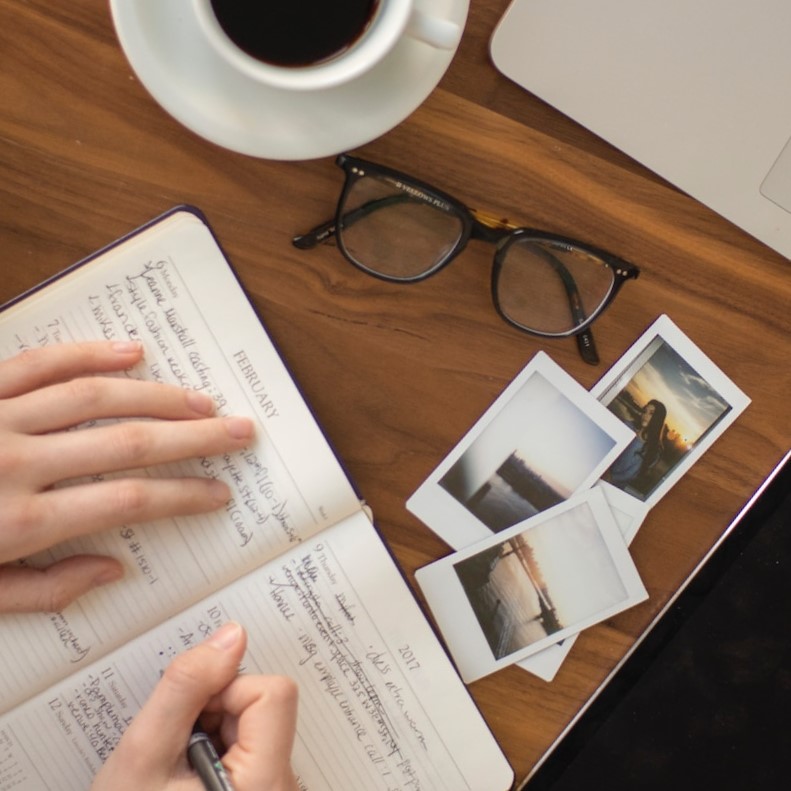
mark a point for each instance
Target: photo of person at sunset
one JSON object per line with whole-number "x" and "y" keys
{"x": 670, "y": 407}
{"x": 644, "y": 450}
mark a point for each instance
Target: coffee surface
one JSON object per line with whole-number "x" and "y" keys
{"x": 294, "y": 32}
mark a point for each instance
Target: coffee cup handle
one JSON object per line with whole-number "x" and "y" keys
{"x": 439, "y": 33}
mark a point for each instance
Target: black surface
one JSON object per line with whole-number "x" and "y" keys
{"x": 705, "y": 700}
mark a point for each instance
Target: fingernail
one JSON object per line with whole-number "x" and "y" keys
{"x": 199, "y": 402}
{"x": 239, "y": 427}
{"x": 108, "y": 575}
{"x": 227, "y": 636}
{"x": 219, "y": 491}
{"x": 127, "y": 347}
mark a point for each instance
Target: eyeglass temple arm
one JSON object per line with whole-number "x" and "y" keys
{"x": 321, "y": 233}
{"x": 585, "y": 343}
{"x": 587, "y": 347}
{"x": 492, "y": 228}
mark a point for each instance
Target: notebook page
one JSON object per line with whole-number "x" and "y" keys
{"x": 380, "y": 705}
{"x": 170, "y": 287}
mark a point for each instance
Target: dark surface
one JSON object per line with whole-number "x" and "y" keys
{"x": 705, "y": 701}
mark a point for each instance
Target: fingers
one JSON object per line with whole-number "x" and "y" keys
{"x": 259, "y": 725}
{"x": 33, "y": 524}
{"x": 35, "y": 368}
{"x": 128, "y": 446}
{"x": 70, "y": 403}
{"x": 188, "y": 683}
{"x": 25, "y": 589}
{"x": 260, "y": 710}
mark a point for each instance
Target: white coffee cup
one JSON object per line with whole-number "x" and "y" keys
{"x": 391, "y": 20}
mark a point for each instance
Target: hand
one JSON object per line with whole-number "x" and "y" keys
{"x": 45, "y": 391}
{"x": 254, "y": 716}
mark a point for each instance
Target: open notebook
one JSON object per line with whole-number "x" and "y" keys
{"x": 293, "y": 557}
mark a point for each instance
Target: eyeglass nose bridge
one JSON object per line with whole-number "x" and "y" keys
{"x": 490, "y": 228}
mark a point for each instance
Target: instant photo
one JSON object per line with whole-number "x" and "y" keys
{"x": 674, "y": 400}
{"x": 542, "y": 441}
{"x": 528, "y": 587}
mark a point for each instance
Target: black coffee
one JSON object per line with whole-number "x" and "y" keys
{"x": 293, "y": 32}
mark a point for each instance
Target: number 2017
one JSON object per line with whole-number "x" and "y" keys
{"x": 409, "y": 658}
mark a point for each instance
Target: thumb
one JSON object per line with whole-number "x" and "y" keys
{"x": 187, "y": 685}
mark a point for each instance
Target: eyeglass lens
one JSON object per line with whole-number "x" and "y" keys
{"x": 386, "y": 231}
{"x": 550, "y": 287}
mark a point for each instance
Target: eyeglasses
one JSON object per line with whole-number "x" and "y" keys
{"x": 399, "y": 229}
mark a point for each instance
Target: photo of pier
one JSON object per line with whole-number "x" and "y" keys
{"x": 541, "y": 580}
{"x": 536, "y": 453}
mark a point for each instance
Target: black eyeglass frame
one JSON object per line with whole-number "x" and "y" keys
{"x": 475, "y": 225}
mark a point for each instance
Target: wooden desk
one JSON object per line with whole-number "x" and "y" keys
{"x": 397, "y": 374}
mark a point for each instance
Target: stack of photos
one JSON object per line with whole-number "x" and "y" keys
{"x": 545, "y": 492}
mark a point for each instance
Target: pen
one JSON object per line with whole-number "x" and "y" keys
{"x": 204, "y": 760}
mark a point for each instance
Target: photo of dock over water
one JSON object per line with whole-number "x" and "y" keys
{"x": 536, "y": 453}
{"x": 540, "y": 581}
{"x": 513, "y": 493}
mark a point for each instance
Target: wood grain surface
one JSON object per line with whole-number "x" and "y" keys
{"x": 397, "y": 374}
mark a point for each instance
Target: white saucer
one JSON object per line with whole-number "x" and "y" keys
{"x": 173, "y": 60}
